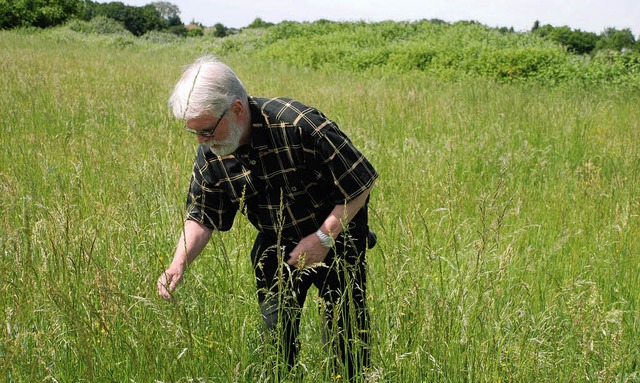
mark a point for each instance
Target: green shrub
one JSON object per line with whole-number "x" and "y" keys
{"x": 613, "y": 67}
{"x": 446, "y": 51}
{"x": 162, "y": 37}
{"x": 195, "y": 32}
{"x": 99, "y": 25}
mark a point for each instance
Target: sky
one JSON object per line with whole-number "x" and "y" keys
{"x": 586, "y": 15}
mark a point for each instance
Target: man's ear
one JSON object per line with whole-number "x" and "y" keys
{"x": 237, "y": 108}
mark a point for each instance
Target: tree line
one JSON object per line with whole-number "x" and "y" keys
{"x": 165, "y": 16}
{"x": 156, "y": 16}
{"x": 580, "y": 42}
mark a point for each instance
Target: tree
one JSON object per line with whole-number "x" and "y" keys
{"x": 179, "y": 30}
{"x": 166, "y": 9}
{"x": 536, "y": 26}
{"x": 137, "y": 20}
{"x": 542, "y": 31}
{"x": 582, "y": 42}
{"x": 576, "y": 41}
{"x": 219, "y": 30}
{"x": 169, "y": 12}
{"x": 259, "y": 23}
{"x": 38, "y": 13}
{"x": 616, "y": 40}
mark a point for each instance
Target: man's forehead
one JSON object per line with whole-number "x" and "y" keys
{"x": 201, "y": 121}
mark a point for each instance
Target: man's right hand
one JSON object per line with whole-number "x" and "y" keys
{"x": 193, "y": 239}
{"x": 169, "y": 280}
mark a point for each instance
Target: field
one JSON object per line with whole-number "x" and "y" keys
{"x": 508, "y": 217}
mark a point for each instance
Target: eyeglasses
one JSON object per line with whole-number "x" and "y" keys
{"x": 207, "y": 132}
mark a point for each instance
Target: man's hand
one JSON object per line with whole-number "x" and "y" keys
{"x": 193, "y": 239}
{"x": 309, "y": 251}
{"x": 169, "y": 280}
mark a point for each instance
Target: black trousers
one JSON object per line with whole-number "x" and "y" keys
{"x": 341, "y": 283}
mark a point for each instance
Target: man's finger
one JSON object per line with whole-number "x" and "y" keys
{"x": 297, "y": 260}
{"x": 293, "y": 260}
{"x": 173, "y": 285}
{"x": 163, "y": 287}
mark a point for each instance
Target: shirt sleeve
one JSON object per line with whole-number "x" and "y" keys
{"x": 207, "y": 203}
{"x": 350, "y": 171}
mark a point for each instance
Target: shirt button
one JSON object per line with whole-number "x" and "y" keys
{"x": 252, "y": 162}
{"x": 294, "y": 188}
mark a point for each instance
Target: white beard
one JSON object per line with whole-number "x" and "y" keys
{"x": 228, "y": 146}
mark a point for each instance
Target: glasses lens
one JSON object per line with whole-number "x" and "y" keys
{"x": 203, "y": 133}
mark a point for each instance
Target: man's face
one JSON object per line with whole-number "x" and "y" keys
{"x": 227, "y": 135}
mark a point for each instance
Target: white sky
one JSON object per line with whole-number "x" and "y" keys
{"x": 587, "y": 15}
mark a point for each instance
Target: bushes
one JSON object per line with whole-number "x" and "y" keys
{"x": 100, "y": 25}
{"x": 613, "y": 67}
{"x": 156, "y": 37}
{"x": 117, "y": 34}
{"x": 38, "y": 13}
{"x": 446, "y": 51}
{"x": 460, "y": 50}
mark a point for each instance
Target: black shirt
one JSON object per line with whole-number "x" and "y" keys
{"x": 297, "y": 168}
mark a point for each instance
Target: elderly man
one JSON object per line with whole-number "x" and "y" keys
{"x": 301, "y": 183}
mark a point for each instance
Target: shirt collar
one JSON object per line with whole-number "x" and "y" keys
{"x": 258, "y": 124}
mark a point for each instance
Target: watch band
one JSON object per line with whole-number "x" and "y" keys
{"x": 326, "y": 240}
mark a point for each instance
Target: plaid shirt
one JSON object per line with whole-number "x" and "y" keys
{"x": 297, "y": 168}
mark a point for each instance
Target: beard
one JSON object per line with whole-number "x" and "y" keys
{"x": 229, "y": 145}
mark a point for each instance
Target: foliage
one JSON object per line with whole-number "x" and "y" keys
{"x": 169, "y": 12}
{"x": 178, "y": 30}
{"x": 195, "y": 31}
{"x": 452, "y": 52}
{"x": 38, "y": 13}
{"x": 157, "y": 37}
{"x": 581, "y": 42}
{"x": 617, "y": 40}
{"x": 137, "y": 20}
{"x": 259, "y": 23}
{"x": 101, "y": 25}
{"x": 219, "y": 30}
{"x": 156, "y": 16}
{"x": 575, "y": 40}
{"x": 448, "y": 51}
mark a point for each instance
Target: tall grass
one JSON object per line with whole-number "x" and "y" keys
{"x": 507, "y": 217}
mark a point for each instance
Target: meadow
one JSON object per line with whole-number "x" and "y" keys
{"x": 507, "y": 216}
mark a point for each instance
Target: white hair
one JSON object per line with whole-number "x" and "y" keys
{"x": 206, "y": 86}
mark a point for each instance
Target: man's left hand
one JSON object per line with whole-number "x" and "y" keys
{"x": 308, "y": 252}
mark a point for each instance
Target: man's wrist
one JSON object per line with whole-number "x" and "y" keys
{"x": 325, "y": 239}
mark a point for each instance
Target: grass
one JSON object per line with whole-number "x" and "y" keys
{"x": 507, "y": 217}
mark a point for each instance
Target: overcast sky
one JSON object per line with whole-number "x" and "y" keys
{"x": 587, "y": 15}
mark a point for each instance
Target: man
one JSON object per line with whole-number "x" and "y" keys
{"x": 301, "y": 183}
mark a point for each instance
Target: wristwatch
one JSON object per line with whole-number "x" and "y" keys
{"x": 326, "y": 240}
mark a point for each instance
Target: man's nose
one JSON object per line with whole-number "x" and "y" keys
{"x": 202, "y": 139}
